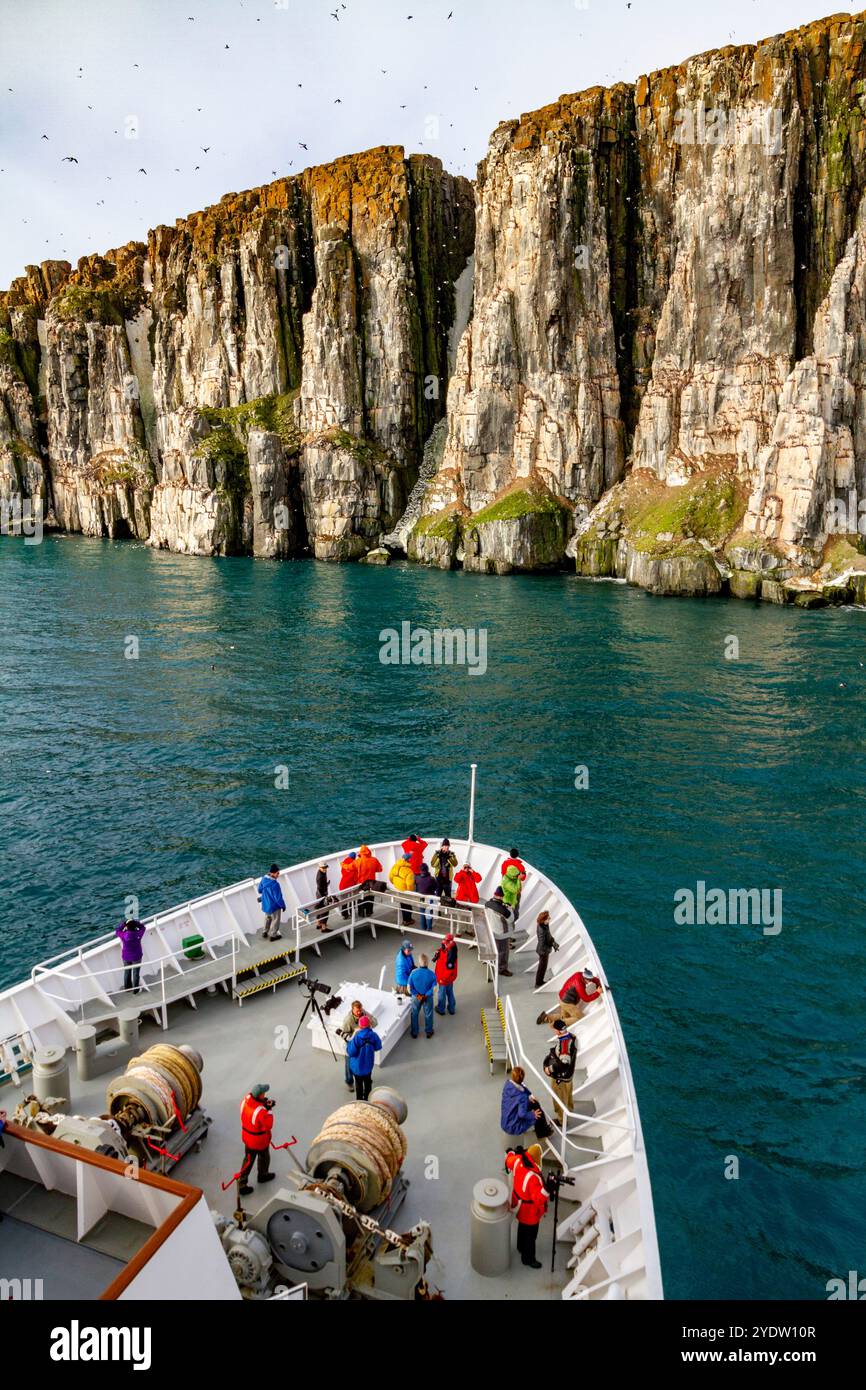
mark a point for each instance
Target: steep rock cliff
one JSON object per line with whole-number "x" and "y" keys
{"x": 660, "y": 374}
{"x": 261, "y": 377}
{"x": 667, "y": 281}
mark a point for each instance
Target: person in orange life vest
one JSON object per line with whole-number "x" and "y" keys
{"x": 348, "y": 879}
{"x": 414, "y": 846}
{"x": 467, "y": 881}
{"x": 445, "y": 961}
{"x": 529, "y": 1196}
{"x": 257, "y": 1123}
{"x": 559, "y": 1065}
{"x": 579, "y": 990}
{"x": 368, "y": 867}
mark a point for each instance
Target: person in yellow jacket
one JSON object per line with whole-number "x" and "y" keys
{"x": 402, "y": 879}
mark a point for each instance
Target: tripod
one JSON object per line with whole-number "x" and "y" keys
{"x": 311, "y": 999}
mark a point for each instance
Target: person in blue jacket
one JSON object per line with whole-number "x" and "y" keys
{"x": 272, "y": 901}
{"x": 361, "y": 1050}
{"x": 403, "y": 967}
{"x": 421, "y": 986}
{"x": 520, "y": 1110}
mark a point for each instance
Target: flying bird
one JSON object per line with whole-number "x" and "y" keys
{"x": 334, "y": 15}
{"x": 142, "y": 171}
{"x": 69, "y": 159}
{"x": 204, "y": 148}
{"x": 45, "y": 137}
{"x": 302, "y": 145}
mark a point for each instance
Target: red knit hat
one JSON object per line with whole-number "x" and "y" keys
{"x": 363, "y": 1021}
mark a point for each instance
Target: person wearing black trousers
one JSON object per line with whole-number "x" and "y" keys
{"x": 545, "y": 944}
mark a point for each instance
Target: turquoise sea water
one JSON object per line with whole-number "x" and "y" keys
{"x": 156, "y": 777}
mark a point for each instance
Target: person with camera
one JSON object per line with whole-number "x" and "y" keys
{"x": 350, "y": 1025}
{"x": 580, "y": 989}
{"x": 443, "y": 864}
{"x": 520, "y": 1113}
{"x": 543, "y": 946}
{"x": 529, "y": 1197}
{"x": 421, "y": 986}
{"x": 559, "y": 1065}
{"x": 257, "y": 1124}
{"x": 362, "y": 1048}
{"x": 324, "y": 899}
{"x": 501, "y": 935}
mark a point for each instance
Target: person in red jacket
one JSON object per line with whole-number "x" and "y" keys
{"x": 529, "y": 1196}
{"x": 257, "y": 1123}
{"x": 348, "y": 879}
{"x": 368, "y": 867}
{"x": 517, "y": 862}
{"x": 579, "y": 990}
{"x": 445, "y": 961}
{"x": 467, "y": 881}
{"x": 414, "y": 846}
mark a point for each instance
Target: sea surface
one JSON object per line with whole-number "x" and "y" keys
{"x": 157, "y": 777}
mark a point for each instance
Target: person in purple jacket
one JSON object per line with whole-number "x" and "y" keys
{"x": 130, "y": 934}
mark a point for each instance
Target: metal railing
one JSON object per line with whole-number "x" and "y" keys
{"x": 514, "y": 1040}
{"x": 110, "y": 997}
{"x": 458, "y": 919}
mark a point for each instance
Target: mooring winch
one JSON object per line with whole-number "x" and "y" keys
{"x": 154, "y": 1115}
{"x": 329, "y": 1228}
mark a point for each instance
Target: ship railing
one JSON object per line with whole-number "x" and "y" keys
{"x": 152, "y": 984}
{"x": 573, "y": 1121}
{"x": 460, "y": 919}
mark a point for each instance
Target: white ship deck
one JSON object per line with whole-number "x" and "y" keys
{"x": 453, "y": 1126}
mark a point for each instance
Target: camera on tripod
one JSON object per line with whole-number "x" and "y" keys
{"x": 554, "y": 1181}
{"x": 314, "y": 986}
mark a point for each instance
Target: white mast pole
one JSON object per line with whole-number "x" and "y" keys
{"x": 472, "y": 805}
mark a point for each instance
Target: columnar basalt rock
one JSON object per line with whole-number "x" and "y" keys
{"x": 259, "y": 378}
{"x": 717, "y": 326}
{"x": 661, "y": 374}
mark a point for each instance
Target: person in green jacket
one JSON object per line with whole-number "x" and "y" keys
{"x": 512, "y": 886}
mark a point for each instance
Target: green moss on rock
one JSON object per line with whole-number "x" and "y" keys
{"x": 707, "y": 509}
{"x": 518, "y": 504}
{"x": 273, "y": 413}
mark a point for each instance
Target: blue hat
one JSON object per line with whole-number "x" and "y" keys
{"x": 352, "y": 855}
{"x": 407, "y": 946}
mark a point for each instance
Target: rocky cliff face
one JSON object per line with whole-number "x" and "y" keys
{"x": 260, "y": 378}
{"x": 662, "y": 375}
{"x": 668, "y": 290}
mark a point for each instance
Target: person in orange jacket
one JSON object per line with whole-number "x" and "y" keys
{"x": 368, "y": 867}
{"x": 529, "y": 1196}
{"x": 257, "y": 1123}
{"x": 467, "y": 881}
{"x": 414, "y": 846}
{"x": 348, "y": 879}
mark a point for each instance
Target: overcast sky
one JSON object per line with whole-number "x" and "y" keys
{"x": 252, "y": 79}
